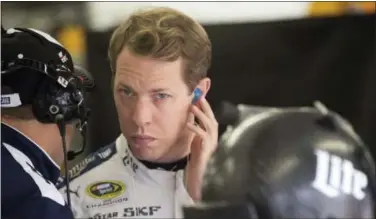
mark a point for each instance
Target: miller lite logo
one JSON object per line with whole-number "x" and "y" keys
{"x": 335, "y": 176}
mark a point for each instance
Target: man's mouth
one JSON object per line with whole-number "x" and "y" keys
{"x": 142, "y": 140}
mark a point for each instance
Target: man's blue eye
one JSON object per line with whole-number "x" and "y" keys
{"x": 127, "y": 92}
{"x": 162, "y": 96}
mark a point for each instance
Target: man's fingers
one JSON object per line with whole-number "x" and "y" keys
{"x": 197, "y": 130}
{"x": 206, "y": 108}
{"x": 203, "y": 119}
{"x": 191, "y": 118}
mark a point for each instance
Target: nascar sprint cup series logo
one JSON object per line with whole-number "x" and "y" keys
{"x": 105, "y": 189}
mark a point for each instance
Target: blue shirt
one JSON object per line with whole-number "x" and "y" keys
{"x": 28, "y": 177}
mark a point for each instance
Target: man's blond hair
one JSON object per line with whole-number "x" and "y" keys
{"x": 164, "y": 34}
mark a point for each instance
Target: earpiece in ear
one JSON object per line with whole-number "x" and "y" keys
{"x": 197, "y": 93}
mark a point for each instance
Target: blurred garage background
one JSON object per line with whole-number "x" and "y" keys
{"x": 272, "y": 54}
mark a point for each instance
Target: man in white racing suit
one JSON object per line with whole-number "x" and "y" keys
{"x": 160, "y": 58}
{"x": 112, "y": 183}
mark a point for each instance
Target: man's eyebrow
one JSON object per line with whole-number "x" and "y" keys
{"x": 125, "y": 86}
{"x": 157, "y": 90}
{"x": 154, "y": 90}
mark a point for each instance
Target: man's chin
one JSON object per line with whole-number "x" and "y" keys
{"x": 144, "y": 153}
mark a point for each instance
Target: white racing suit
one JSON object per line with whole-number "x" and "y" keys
{"x": 112, "y": 183}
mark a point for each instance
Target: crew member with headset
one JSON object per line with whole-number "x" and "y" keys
{"x": 289, "y": 163}
{"x": 42, "y": 100}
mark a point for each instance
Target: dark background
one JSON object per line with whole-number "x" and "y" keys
{"x": 284, "y": 63}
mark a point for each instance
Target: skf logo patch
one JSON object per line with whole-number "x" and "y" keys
{"x": 141, "y": 211}
{"x": 5, "y": 100}
{"x": 105, "y": 189}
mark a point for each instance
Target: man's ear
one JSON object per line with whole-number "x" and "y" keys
{"x": 204, "y": 85}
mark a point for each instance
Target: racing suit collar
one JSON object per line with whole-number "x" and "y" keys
{"x": 42, "y": 161}
{"x": 157, "y": 177}
{"x": 130, "y": 160}
{"x": 173, "y": 166}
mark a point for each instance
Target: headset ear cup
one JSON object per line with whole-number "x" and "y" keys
{"x": 42, "y": 103}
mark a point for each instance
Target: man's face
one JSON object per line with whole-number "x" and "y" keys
{"x": 152, "y": 102}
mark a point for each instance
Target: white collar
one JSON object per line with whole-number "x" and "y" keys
{"x": 37, "y": 145}
{"x": 123, "y": 147}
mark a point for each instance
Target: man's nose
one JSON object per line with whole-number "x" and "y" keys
{"x": 142, "y": 113}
